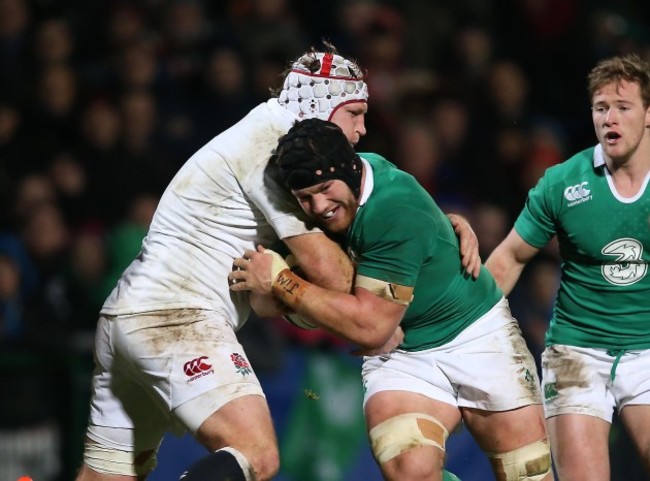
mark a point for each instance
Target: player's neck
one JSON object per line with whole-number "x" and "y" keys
{"x": 629, "y": 175}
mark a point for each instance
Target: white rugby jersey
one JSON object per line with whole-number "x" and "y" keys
{"x": 218, "y": 204}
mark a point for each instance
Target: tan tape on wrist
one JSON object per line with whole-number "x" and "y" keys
{"x": 289, "y": 288}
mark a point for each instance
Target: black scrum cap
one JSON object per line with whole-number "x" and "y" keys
{"x": 315, "y": 151}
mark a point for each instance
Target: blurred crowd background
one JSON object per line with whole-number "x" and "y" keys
{"x": 101, "y": 101}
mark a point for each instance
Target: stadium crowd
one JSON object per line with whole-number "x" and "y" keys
{"x": 101, "y": 101}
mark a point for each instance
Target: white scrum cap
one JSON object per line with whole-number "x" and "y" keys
{"x": 318, "y": 94}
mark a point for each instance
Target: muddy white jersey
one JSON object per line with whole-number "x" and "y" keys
{"x": 220, "y": 203}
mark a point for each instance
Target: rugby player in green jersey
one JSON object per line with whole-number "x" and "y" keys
{"x": 462, "y": 356}
{"x": 196, "y": 376}
{"x": 597, "y": 203}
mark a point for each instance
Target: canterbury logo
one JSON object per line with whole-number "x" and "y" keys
{"x": 577, "y": 192}
{"x": 197, "y": 366}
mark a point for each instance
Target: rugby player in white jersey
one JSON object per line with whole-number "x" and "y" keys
{"x": 167, "y": 357}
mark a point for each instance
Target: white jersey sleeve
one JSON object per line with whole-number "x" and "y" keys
{"x": 219, "y": 204}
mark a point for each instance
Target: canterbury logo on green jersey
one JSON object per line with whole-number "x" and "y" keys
{"x": 627, "y": 265}
{"x": 578, "y": 193}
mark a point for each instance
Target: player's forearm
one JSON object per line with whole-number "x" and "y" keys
{"x": 338, "y": 313}
{"x": 508, "y": 260}
{"x": 323, "y": 261}
{"x": 505, "y": 270}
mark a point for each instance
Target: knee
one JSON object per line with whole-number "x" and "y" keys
{"x": 419, "y": 463}
{"x": 261, "y": 463}
{"x": 402, "y": 446}
{"x": 528, "y": 463}
{"x": 265, "y": 463}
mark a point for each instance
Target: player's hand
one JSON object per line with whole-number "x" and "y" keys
{"x": 256, "y": 271}
{"x": 395, "y": 340}
{"x": 469, "y": 255}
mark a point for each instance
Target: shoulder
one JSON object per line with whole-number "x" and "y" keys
{"x": 575, "y": 170}
{"x": 378, "y": 163}
{"x": 255, "y": 135}
{"x": 395, "y": 194}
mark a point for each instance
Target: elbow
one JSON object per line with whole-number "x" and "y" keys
{"x": 372, "y": 338}
{"x": 369, "y": 344}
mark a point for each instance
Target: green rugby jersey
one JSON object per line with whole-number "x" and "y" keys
{"x": 604, "y": 295}
{"x": 401, "y": 236}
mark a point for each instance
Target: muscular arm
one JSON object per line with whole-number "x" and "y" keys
{"x": 323, "y": 262}
{"x": 360, "y": 317}
{"x": 326, "y": 265}
{"x": 508, "y": 260}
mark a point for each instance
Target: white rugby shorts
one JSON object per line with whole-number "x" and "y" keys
{"x": 150, "y": 367}
{"x": 487, "y": 366}
{"x": 579, "y": 380}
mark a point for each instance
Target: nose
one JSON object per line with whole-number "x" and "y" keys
{"x": 318, "y": 204}
{"x": 361, "y": 127}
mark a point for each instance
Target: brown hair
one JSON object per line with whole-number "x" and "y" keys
{"x": 630, "y": 68}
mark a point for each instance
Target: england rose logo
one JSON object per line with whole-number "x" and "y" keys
{"x": 241, "y": 364}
